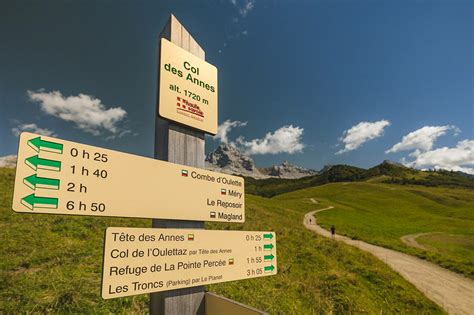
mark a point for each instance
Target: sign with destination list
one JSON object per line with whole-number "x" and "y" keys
{"x": 188, "y": 88}
{"x": 145, "y": 260}
{"x": 63, "y": 177}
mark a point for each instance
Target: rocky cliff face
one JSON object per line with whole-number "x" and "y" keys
{"x": 228, "y": 159}
{"x": 287, "y": 170}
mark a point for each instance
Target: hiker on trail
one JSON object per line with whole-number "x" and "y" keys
{"x": 333, "y": 231}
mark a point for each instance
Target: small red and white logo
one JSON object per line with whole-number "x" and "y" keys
{"x": 184, "y": 105}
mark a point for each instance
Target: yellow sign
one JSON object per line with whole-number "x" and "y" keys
{"x": 63, "y": 177}
{"x": 145, "y": 260}
{"x": 188, "y": 88}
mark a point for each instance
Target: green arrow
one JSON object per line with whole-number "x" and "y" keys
{"x": 267, "y": 246}
{"x": 42, "y": 145}
{"x": 269, "y": 235}
{"x": 38, "y": 163}
{"x": 268, "y": 257}
{"x": 34, "y": 182}
{"x": 33, "y": 202}
{"x": 269, "y": 268}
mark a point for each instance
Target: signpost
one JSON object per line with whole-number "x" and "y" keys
{"x": 182, "y": 145}
{"x": 141, "y": 260}
{"x": 176, "y": 257}
{"x": 63, "y": 177}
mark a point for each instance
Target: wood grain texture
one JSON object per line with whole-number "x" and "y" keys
{"x": 181, "y": 145}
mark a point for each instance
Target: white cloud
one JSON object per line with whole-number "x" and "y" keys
{"x": 459, "y": 158}
{"x": 244, "y": 6}
{"x": 224, "y": 129}
{"x": 286, "y": 139}
{"x": 8, "y": 161}
{"x": 120, "y": 135}
{"x": 422, "y": 139}
{"x": 86, "y": 111}
{"x": 34, "y": 129}
{"x": 364, "y": 131}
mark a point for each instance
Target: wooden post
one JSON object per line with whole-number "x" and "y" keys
{"x": 181, "y": 145}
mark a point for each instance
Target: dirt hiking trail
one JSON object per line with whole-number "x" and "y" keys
{"x": 410, "y": 239}
{"x": 451, "y": 291}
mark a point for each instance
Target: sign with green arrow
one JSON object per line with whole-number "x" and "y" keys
{"x": 39, "y": 144}
{"x": 268, "y": 246}
{"x": 268, "y": 257}
{"x": 268, "y": 236}
{"x": 33, "y": 181}
{"x": 37, "y": 163}
{"x": 183, "y": 258}
{"x": 34, "y": 202}
{"x": 62, "y": 177}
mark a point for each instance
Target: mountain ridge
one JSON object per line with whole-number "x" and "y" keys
{"x": 228, "y": 159}
{"x": 386, "y": 172}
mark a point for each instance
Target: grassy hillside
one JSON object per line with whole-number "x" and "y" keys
{"x": 53, "y": 264}
{"x": 382, "y": 213}
{"x": 386, "y": 172}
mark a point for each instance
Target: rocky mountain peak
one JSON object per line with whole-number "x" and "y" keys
{"x": 286, "y": 164}
{"x": 227, "y": 158}
{"x": 288, "y": 170}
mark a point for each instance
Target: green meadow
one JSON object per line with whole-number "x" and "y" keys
{"x": 382, "y": 213}
{"x": 53, "y": 264}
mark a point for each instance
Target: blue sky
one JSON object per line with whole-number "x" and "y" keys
{"x": 313, "y": 82}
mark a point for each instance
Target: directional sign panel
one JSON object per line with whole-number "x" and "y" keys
{"x": 143, "y": 260}
{"x": 62, "y": 177}
{"x": 188, "y": 88}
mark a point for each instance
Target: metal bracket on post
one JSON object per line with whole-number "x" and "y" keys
{"x": 180, "y": 145}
